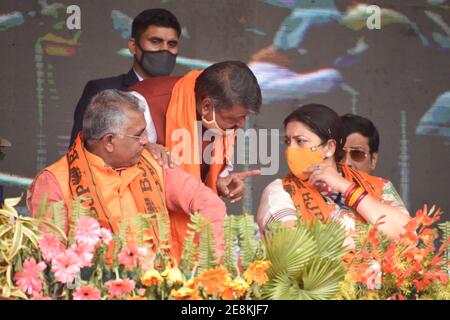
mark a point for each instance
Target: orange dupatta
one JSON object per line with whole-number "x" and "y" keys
{"x": 182, "y": 114}
{"x": 147, "y": 190}
{"x": 310, "y": 203}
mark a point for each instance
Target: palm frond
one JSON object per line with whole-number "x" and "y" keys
{"x": 329, "y": 238}
{"x": 289, "y": 249}
{"x": 281, "y": 287}
{"x": 321, "y": 279}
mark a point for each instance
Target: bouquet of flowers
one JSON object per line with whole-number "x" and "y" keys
{"x": 38, "y": 260}
{"x": 407, "y": 268}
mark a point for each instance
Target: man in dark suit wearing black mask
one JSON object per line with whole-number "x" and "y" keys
{"x": 154, "y": 43}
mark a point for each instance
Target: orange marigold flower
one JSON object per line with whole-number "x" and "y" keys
{"x": 213, "y": 281}
{"x": 151, "y": 278}
{"x": 235, "y": 289}
{"x": 185, "y": 293}
{"x": 256, "y": 272}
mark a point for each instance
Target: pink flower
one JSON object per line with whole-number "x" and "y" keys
{"x": 105, "y": 236}
{"x": 66, "y": 266}
{"x": 87, "y": 231}
{"x": 50, "y": 246}
{"x": 86, "y": 293}
{"x": 29, "y": 280}
{"x": 84, "y": 252}
{"x": 131, "y": 256}
{"x": 117, "y": 288}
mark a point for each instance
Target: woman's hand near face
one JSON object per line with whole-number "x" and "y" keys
{"x": 327, "y": 173}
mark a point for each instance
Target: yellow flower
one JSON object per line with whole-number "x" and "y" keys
{"x": 235, "y": 289}
{"x": 185, "y": 293}
{"x": 151, "y": 278}
{"x": 173, "y": 276}
{"x": 256, "y": 272}
{"x": 213, "y": 281}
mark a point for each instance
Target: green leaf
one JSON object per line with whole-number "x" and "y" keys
{"x": 281, "y": 287}
{"x": 230, "y": 243}
{"x": 30, "y": 235}
{"x": 17, "y": 240}
{"x": 248, "y": 245}
{"x": 321, "y": 279}
{"x": 289, "y": 249}
{"x": 12, "y": 202}
{"x": 6, "y": 291}
{"x": 5, "y": 229}
{"x": 207, "y": 246}
{"x": 329, "y": 238}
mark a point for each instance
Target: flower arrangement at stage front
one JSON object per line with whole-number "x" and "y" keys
{"x": 39, "y": 261}
{"x": 408, "y": 268}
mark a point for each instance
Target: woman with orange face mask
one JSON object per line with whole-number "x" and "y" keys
{"x": 318, "y": 187}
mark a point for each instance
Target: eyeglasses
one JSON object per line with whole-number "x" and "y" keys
{"x": 356, "y": 154}
{"x": 139, "y": 138}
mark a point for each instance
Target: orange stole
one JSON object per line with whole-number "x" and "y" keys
{"x": 310, "y": 203}
{"x": 147, "y": 189}
{"x": 182, "y": 114}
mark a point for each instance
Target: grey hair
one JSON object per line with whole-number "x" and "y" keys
{"x": 106, "y": 113}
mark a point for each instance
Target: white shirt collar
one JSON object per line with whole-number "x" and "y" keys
{"x": 137, "y": 75}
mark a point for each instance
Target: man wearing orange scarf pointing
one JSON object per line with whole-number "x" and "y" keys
{"x": 195, "y": 116}
{"x": 208, "y": 105}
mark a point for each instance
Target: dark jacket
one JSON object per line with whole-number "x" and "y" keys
{"x": 122, "y": 82}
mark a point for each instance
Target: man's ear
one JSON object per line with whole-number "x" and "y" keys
{"x": 373, "y": 160}
{"x": 108, "y": 142}
{"x": 132, "y": 46}
{"x": 206, "y": 106}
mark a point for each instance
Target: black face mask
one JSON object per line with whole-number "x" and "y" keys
{"x": 157, "y": 63}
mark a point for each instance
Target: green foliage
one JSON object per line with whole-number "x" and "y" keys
{"x": 289, "y": 249}
{"x": 207, "y": 247}
{"x": 247, "y": 241}
{"x": 306, "y": 261}
{"x": 189, "y": 253}
{"x": 329, "y": 247}
{"x": 18, "y": 236}
{"x": 445, "y": 229}
{"x": 163, "y": 227}
{"x": 230, "y": 242}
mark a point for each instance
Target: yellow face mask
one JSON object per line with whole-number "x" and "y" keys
{"x": 299, "y": 159}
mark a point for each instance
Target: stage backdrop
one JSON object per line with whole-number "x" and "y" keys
{"x": 322, "y": 51}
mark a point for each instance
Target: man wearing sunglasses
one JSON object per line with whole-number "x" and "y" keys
{"x": 362, "y": 142}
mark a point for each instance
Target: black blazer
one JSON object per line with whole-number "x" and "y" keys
{"x": 122, "y": 82}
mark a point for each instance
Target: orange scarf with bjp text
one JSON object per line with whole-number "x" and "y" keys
{"x": 146, "y": 188}
{"x": 310, "y": 203}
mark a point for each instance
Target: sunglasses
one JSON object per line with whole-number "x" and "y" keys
{"x": 356, "y": 155}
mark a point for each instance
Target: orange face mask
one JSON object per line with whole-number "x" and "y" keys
{"x": 299, "y": 159}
